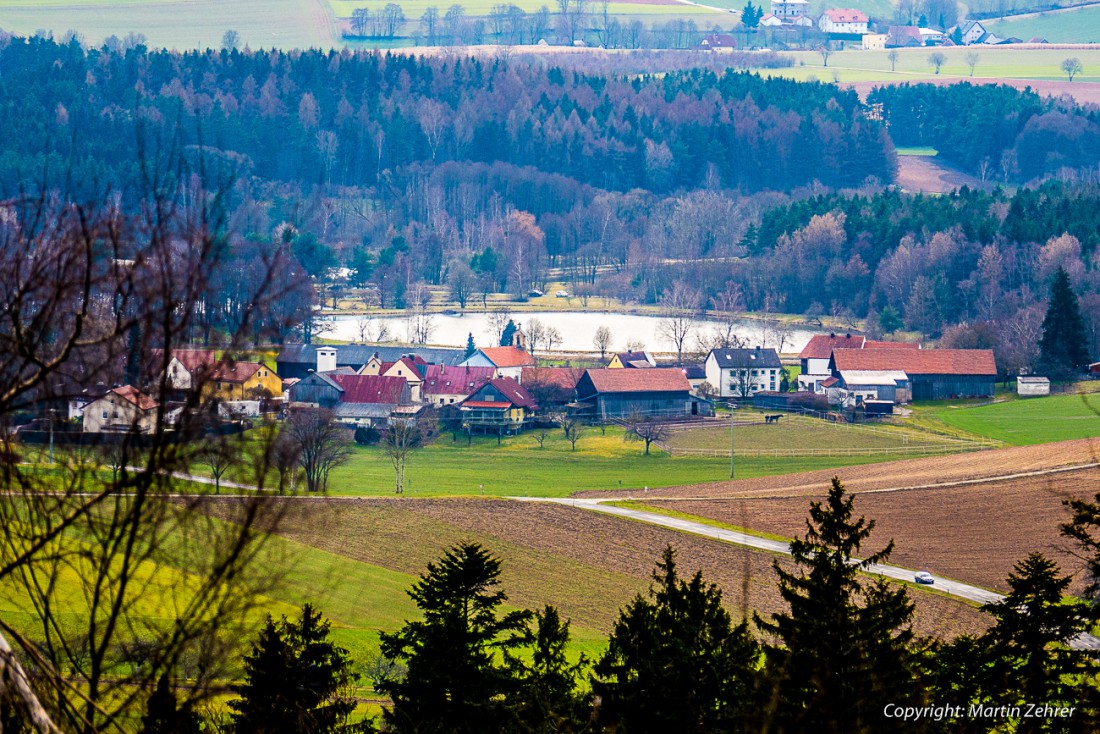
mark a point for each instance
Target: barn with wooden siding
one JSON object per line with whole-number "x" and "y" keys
{"x": 934, "y": 374}
{"x": 654, "y": 393}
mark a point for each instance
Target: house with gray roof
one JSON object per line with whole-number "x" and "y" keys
{"x": 738, "y": 373}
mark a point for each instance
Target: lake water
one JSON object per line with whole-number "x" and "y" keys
{"x": 577, "y": 329}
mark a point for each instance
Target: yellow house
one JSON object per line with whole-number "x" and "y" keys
{"x": 631, "y": 359}
{"x": 241, "y": 381}
{"x": 874, "y": 41}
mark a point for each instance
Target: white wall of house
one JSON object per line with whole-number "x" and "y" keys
{"x": 728, "y": 381}
{"x": 854, "y": 28}
{"x": 114, "y": 413}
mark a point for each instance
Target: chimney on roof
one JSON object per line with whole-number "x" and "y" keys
{"x": 326, "y": 359}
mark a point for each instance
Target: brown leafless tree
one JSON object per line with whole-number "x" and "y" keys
{"x": 679, "y": 307}
{"x": 87, "y": 291}
{"x": 399, "y": 441}
{"x": 322, "y": 445}
{"x": 648, "y": 431}
{"x": 602, "y": 341}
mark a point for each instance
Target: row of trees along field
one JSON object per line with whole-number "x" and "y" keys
{"x": 841, "y": 657}
{"x": 508, "y": 24}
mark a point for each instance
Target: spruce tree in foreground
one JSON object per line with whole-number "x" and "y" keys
{"x": 1063, "y": 348}
{"x": 164, "y": 715}
{"x": 1031, "y": 660}
{"x": 455, "y": 682}
{"x": 544, "y": 696}
{"x": 844, "y": 651}
{"x": 676, "y": 662}
{"x": 296, "y": 680}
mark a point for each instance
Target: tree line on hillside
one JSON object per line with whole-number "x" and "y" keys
{"x": 841, "y": 656}
{"x": 351, "y": 119}
{"x": 996, "y": 132}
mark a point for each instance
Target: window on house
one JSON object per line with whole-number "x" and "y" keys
{"x": 104, "y": 415}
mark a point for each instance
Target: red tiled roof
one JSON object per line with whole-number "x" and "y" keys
{"x": 191, "y": 359}
{"x": 370, "y": 388}
{"x": 822, "y": 345}
{"x": 560, "y": 377}
{"x": 918, "y": 361}
{"x": 508, "y": 357}
{"x": 132, "y": 395}
{"x": 514, "y": 391}
{"x": 443, "y": 380}
{"x": 234, "y": 371}
{"x": 846, "y": 15}
{"x": 658, "y": 379}
{"x": 829, "y": 382}
{"x": 872, "y": 344}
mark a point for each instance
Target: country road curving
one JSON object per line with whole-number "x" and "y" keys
{"x": 957, "y": 589}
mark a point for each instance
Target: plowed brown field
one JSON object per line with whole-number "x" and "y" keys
{"x": 968, "y": 517}
{"x": 979, "y": 466}
{"x": 589, "y": 565}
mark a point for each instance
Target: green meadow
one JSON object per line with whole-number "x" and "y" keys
{"x": 1026, "y": 421}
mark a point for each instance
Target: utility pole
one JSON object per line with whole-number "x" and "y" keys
{"x": 731, "y": 441}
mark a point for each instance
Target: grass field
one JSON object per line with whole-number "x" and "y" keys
{"x": 413, "y": 9}
{"x": 179, "y": 23}
{"x": 518, "y": 467}
{"x": 800, "y": 433}
{"x": 912, "y": 65}
{"x": 1027, "y": 422}
{"x": 1069, "y": 26}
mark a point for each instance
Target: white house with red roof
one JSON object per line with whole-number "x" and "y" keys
{"x": 122, "y": 409}
{"x": 843, "y": 22}
{"x": 815, "y": 356}
{"x": 183, "y": 369}
{"x": 508, "y": 361}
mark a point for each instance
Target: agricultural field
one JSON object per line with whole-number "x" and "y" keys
{"x": 413, "y": 9}
{"x": 1027, "y": 421}
{"x": 928, "y": 472}
{"x": 972, "y": 532}
{"x": 178, "y": 23}
{"x": 519, "y": 467}
{"x": 994, "y": 63}
{"x": 1078, "y": 25}
{"x": 795, "y": 433}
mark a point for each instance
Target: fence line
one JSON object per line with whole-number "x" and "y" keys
{"x": 793, "y": 453}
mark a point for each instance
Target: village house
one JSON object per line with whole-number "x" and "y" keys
{"x": 903, "y": 36}
{"x": 410, "y": 368}
{"x": 626, "y": 360}
{"x": 814, "y": 357}
{"x": 843, "y": 22}
{"x": 445, "y": 385}
{"x": 770, "y": 20}
{"x": 356, "y": 400}
{"x": 860, "y": 386}
{"x": 500, "y": 406}
{"x": 873, "y": 41}
{"x": 718, "y": 42}
{"x": 933, "y": 374}
{"x": 654, "y": 393}
{"x": 789, "y": 10}
{"x": 972, "y": 32}
{"x": 508, "y": 361}
{"x": 298, "y": 360}
{"x": 552, "y": 387}
{"x": 737, "y": 373}
{"x": 184, "y": 370}
{"x": 230, "y": 380}
{"x": 121, "y": 409}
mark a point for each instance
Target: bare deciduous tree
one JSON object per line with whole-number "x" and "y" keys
{"x": 399, "y": 440}
{"x": 602, "y": 341}
{"x": 321, "y": 443}
{"x": 679, "y": 307}
{"x": 1072, "y": 67}
{"x": 646, "y": 430}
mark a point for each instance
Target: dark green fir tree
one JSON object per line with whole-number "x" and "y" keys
{"x": 1063, "y": 348}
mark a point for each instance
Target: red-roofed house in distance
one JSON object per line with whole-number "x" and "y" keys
{"x": 843, "y": 22}
{"x": 120, "y": 410}
{"x": 508, "y": 361}
{"x": 410, "y": 368}
{"x": 231, "y": 380}
{"x": 183, "y": 370}
{"x": 552, "y": 387}
{"x": 933, "y": 374}
{"x": 815, "y": 356}
{"x": 500, "y": 406}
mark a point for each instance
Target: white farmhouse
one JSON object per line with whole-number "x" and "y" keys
{"x": 737, "y": 373}
{"x": 843, "y": 22}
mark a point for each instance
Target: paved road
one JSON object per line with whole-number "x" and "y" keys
{"x": 954, "y": 588}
